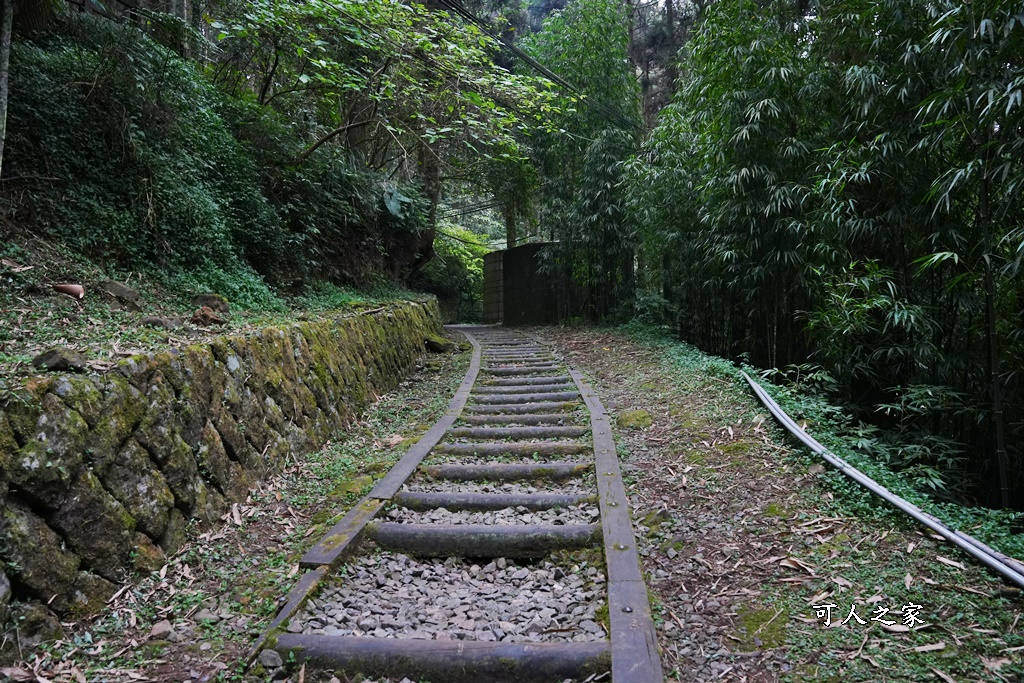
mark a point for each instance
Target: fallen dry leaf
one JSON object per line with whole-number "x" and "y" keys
{"x": 943, "y": 676}
{"x": 907, "y": 580}
{"x": 951, "y": 563}
{"x": 796, "y": 563}
{"x": 931, "y": 647}
{"x": 895, "y": 628}
{"x": 993, "y": 664}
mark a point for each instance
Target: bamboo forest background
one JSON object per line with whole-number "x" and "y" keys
{"x": 835, "y": 191}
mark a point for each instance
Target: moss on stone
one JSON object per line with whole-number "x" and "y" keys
{"x": 737, "y": 448}
{"x": 213, "y": 460}
{"x": 174, "y": 537}
{"x": 52, "y": 455}
{"x": 134, "y": 481}
{"x": 655, "y": 518}
{"x": 82, "y": 395}
{"x": 146, "y": 556}
{"x": 355, "y": 485}
{"x": 89, "y": 595}
{"x": 123, "y": 410}
{"x": 8, "y": 444}
{"x": 157, "y": 426}
{"x": 634, "y": 419}
{"x": 151, "y": 444}
{"x": 435, "y": 343}
{"x": 44, "y": 567}
{"x": 181, "y": 472}
{"x": 95, "y": 526}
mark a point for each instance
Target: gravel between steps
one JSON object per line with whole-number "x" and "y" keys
{"x": 459, "y": 459}
{"x": 573, "y": 514}
{"x": 390, "y": 595}
{"x": 577, "y": 486}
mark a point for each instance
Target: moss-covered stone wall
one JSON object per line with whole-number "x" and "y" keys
{"x": 100, "y": 473}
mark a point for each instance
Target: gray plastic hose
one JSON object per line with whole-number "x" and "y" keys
{"x": 968, "y": 544}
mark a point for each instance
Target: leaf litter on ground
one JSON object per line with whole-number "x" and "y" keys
{"x": 738, "y": 557}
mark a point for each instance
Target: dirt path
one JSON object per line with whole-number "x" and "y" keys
{"x": 744, "y": 537}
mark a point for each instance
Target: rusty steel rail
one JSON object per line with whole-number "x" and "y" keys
{"x": 510, "y": 421}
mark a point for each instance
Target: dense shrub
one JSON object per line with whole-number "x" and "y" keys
{"x": 123, "y": 150}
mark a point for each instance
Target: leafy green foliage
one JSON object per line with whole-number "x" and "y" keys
{"x": 133, "y": 159}
{"x": 456, "y": 274}
{"x": 841, "y": 205}
{"x": 123, "y": 150}
{"x": 580, "y": 161}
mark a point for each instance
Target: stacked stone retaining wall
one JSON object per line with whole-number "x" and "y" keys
{"x": 99, "y": 474}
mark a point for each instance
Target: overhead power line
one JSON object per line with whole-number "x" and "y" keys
{"x": 466, "y": 210}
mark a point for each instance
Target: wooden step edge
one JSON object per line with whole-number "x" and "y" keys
{"x": 523, "y": 389}
{"x": 542, "y": 418}
{"x": 457, "y": 661}
{"x": 494, "y": 433}
{"x": 554, "y": 471}
{"x": 515, "y": 448}
{"x": 509, "y": 372}
{"x": 483, "y": 540}
{"x": 524, "y": 398}
{"x": 525, "y": 381}
{"x": 508, "y": 409}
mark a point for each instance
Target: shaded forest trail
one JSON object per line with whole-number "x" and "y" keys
{"x": 743, "y": 542}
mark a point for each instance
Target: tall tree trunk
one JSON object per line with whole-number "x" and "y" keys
{"x": 6, "y": 23}
{"x": 671, "y": 69}
{"x": 511, "y": 235}
{"x": 430, "y": 170}
{"x": 993, "y": 337}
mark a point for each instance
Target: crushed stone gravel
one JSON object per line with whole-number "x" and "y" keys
{"x": 390, "y": 595}
{"x": 573, "y": 514}
{"x": 456, "y": 459}
{"x": 577, "y": 486}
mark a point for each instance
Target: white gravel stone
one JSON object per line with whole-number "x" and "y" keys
{"x": 577, "y": 486}
{"x": 586, "y": 513}
{"x": 455, "y": 599}
{"x": 456, "y": 459}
